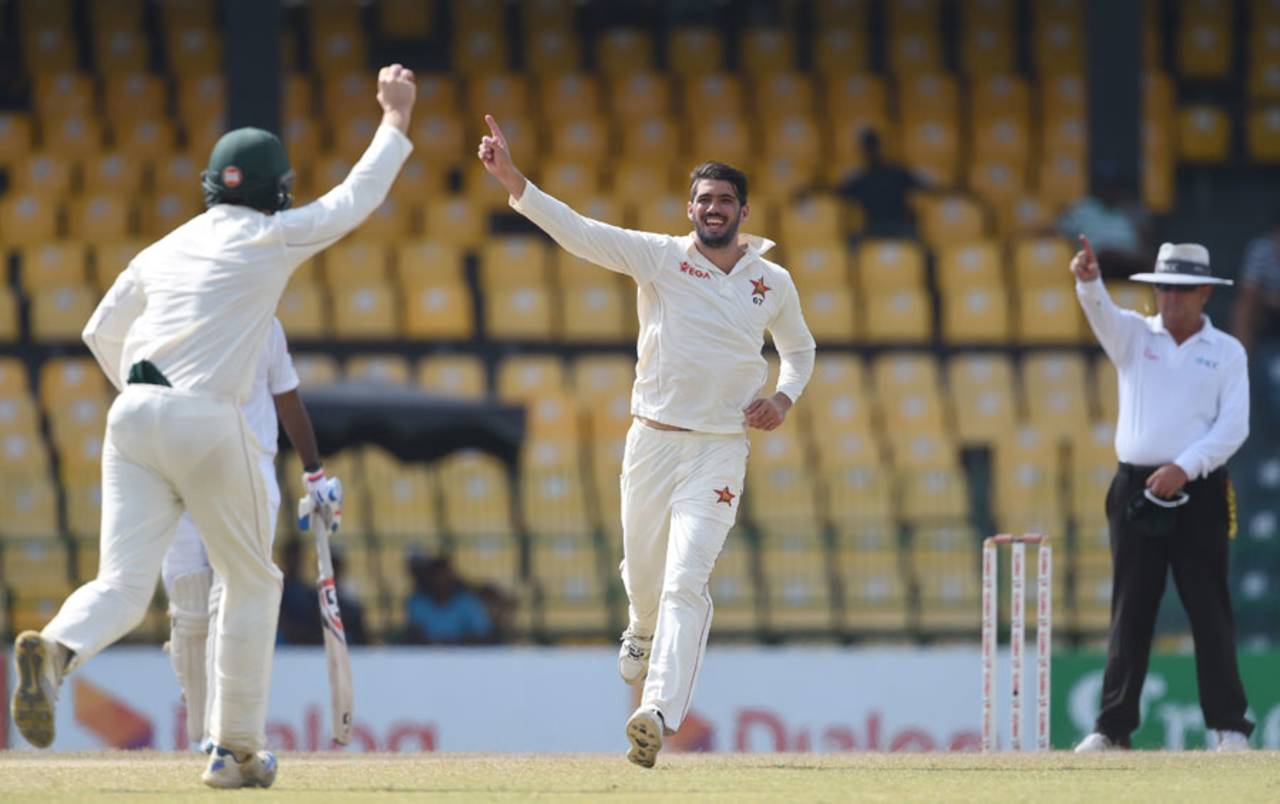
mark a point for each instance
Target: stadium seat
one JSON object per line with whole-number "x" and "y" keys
{"x": 1058, "y": 46}
{"x": 713, "y": 96}
{"x": 18, "y": 412}
{"x": 302, "y": 309}
{"x": 1002, "y": 137}
{"x": 522, "y": 379}
{"x": 898, "y": 316}
{"x": 951, "y": 220}
{"x": 814, "y": 220}
{"x": 931, "y": 146}
{"x": 27, "y": 219}
{"x": 67, "y": 378}
{"x": 552, "y": 51}
{"x": 695, "y": 50}
{"x": 569, "y": 96}
{"x": 9, "y": 324}
{"x": 113, "y": 172}
{"x": 59, "y": 313}
{"x": 664, "y": 214}
{"x": 1205, "y": 45}
{"x": 365, "y": 308}
{"x": 553, "y": 416}
{"x": 1104, "y": 386}
{"x": 794, "y": 137}
{"x": 766, "y": 50}
{"x": 193, "y": 51}
{"x": 733, "y": 587}
{"x": 783, "y": 94}
{"x": 999, "y": 94}
{"x": 922, "y": 449}
{"x": 797, "y": 577}
{"x": 949, "y": 590}
{"x": 162, "y": 213}
{"x": 642, "y": 95}
{"x": 438, "y": 308}
{"x": 873, "y": 592}
{"x": 971, "y": 265}
{"x": 830, "y": 314}
{"x": 1054, "y": 390}
{"x": 997, "y": 182}
{"x": 914, "y": 52}
{"x": 594, "y": 311}
{"x": 566, "y": 569}
{"x": 982, "y": 396}
{"x": 519, "y": 309}
{"x": 571, "y": 181}
{"x": 886, "y": 265}
{"x": 455, "y": 221}
{"x": 630, "y": 50}
{"x": 553, "y": 499}
{"x": 816, "y": 267}
{"x": 1263, "y": 134}
{"x": 378, "y": 368}
{"x": 727, "y": 137}
{"x": 52, "y": 265}
{"x": 63, "y": 93}
{"x": 606, "y": 467}
{"x": 859, "y": 495}
{"x": 1041, "y": 262}
{"x": 987, "y": 47}
{"x": 840, "y": 50}
{"x": 1204, "y": 134}
{"x": 100, "y": 217}
{"x": 29, "y": 500}
{"x": 475, "y": 491}
{"x": 45, "y": 175}
{"x": 857, "y": 95}
{"x": 453, "y": 375}
{"x": 144, "y": 138}
{"x": 120, "y": 50}
{"x": 352, "y": 261}
{"x": 1048, "y": 315}
{"x": 1062, "y": 179}
{"x": 133, "y": 95}
{"x": 403, "y": 499}
{"x": 16, "y": 138}
{"x": 315, "y": 369}
{"x": 1092, "y": 592}
{"x": 934, "y": 495}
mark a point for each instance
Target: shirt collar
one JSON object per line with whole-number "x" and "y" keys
{"x": 1208, "y": 332}
{"x": 755, "y": 244}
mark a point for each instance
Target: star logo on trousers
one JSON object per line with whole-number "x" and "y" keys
{"x": 725, "y": 496}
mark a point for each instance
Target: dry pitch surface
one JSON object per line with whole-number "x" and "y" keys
{"x": 1136, "y": 776}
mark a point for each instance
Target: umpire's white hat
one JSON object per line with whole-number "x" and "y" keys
{"x": 1181, "y": 264}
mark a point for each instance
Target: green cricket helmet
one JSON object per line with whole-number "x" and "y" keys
{"x": 249, "y": 167}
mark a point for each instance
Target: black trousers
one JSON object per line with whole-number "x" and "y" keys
{"x": 1196, "y": 549}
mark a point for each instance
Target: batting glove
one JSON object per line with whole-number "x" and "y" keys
{"x": 323, "y": 499}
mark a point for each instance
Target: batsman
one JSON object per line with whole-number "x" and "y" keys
{"x": 201, "y": 301}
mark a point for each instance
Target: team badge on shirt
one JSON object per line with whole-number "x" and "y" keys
{"x": 758, "y": 290}
{"x": 725, "y": 496}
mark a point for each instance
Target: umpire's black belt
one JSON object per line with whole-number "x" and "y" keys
{"x": 144, "y": 372}
{"x": 1134, "y": 472}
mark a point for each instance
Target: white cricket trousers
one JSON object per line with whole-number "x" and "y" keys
{"x": 166, "y": 450}
{"x": 680, "y": 493}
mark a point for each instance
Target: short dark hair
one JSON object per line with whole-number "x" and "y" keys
{"x": 719, "y": 170}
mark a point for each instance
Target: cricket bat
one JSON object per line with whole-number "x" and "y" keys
{"x": 337, "y": 658}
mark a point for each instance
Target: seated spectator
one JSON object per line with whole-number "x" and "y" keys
{"x": 441, "y": 609}
{"x": 882, "y": 188}
{"x": 1115, "y": 224}
{"x": 299, "y": 606}
{"x": 348, "y": 604}
{"x": 1257, "y": 307}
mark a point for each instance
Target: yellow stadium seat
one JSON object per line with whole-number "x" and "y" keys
{"x": 1058, "y": 47}
{"x": 1066, "y": 134}
{"x": 364, "y": 308}
{"x": 1054, "y": 390}
{"x": 438, "y": 308}
{"x": 419, "y": 180}
{"x": 355, "y": 261}
{"x": 18, "y": 412}
{"x": 873, "y": 590}
{"x": 35, "y": 564}
{"x": 629, "y": 50}
{"x": 499, "y": 94}
{"x": 644, "y": 142}
{"x": 552, "y": 51}
{"x": 840, "y": 51}
{"x": 724, "y": 137}
{"x": 379, "y": 369}
{"x": 784, "y": 94}
{"x": 923, "y": 449}
{"x": 932, "y": 147}
{"x": 72, "y": 135}
{"x": 29, "y": 501}
{"x": 113, "y": 173}
{"x": 1001, "y": 137}
{"x": 695, "y": 50}
{"x": 949, "y": 590}
{"x": 835, "y": 414}
{"x": 594, "y": 311}
{"x": 553, "y": 415}
{"x": 144, "y": 138}
{"x": 598, "y": 377}
{"x": 606, "y": 466}
{"x": 1205, "y": 47}
{"x": 13, "y": 377}
{"x": 733, "y": 587}
{"x": 898, "y": 316}
{"x": 859, "y": 95}
{"x": 519, "y": 309}
{"x": 571, "y": 181}
{"x": 193, "y": 50}
{"x": 1263, "y": 134}
{"x": 835, "y": 375}
{"x": 776, "y": 447}
{"x": 351, "y": 133}
{"x": 453, "y": 375}
{"x": 1264, "y": 77}
{"x": 514, "y": 258}
{"x": 63, "y": 92}
{"x": 553, "y": 499}
{"x": 302, "y": 310}
{"x": 522, "y": 379}
{"x": 1204, "y": 134}
{"x": 1040, "y": 262}
{"x": 9, "y": 326}
{"x": 642, "y": 95}
{"x": 987, "y": 47}
{"x": 813, "y": 220}
{"x": 664, "y": 214}
{"x": 338, "y": 51}
{"x": 49, "y": 48}
{"x": 52, "y": 264}
{"x": 929, "y": 96}
{"x": 566, "y": 569}
{"x": 67, "y": 378}
{"x": 797, "y": 577}
{"x": 794, "y": 136}
{"x": 129, "y": 95}
{"x": 178, "y": 172}
{"x": 428, "y": 260}
{"x": 569, "y": 96}
{"x": 1048, "y": 315}
{"x": 977, "y": 263}
{"x": 885, "y": 265}
{"x": 999, "y": 95}
{"x": 1104, "y": 385}
{"x": 316, "y": 369}
{"x": 109, "y": 259}
{"x": 455, "y": 221}
{"x": 120, "y": 50}
{"x": 59, "y": 313}
{"x": 46, "y": 174}
{"x": 15, "y": 137}
{"x": 829, "y": 312}
{"x": 164, "y": 212}
{"x": 952, "y": 219}
{"x": 403, "y": 499}
{"x": 815, "y": 267}
{"x": 476, "y": 495}
{"x": 1063, "y": 179}
{"x": 997, "y": 182}
{"x": 714, "y": 95}
{"x": 905, "y": 371}
{"x": 976, "y": 314}
{"x": 858, "y": 495}
{"x": 914, "y": 52}
{"x": 982, "y": 396}
{"x": 100, "y": 217}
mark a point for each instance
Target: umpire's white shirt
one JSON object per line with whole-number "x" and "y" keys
{"x": 701, "y": 330}
{"x": 1185, "y": 404}
{"x": 203, "y": 296}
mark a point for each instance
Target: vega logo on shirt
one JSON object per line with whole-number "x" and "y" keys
{"x": 686, "y": 268}
{"x": 1207, "y": 363}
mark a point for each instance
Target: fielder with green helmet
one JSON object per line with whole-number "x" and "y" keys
{"x": 178, "y": 333}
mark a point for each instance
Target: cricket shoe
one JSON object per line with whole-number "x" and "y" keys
{"x": 227, "y": 771}
{"x": 1231, "y": 741}
{"x": 39, "y": 666}
{"x": 1095, "y": 743}
{"x": 644, "y": 730}
{"x": 633, "y": 657}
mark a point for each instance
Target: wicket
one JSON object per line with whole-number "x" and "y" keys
{"x": 1017, "y": 636}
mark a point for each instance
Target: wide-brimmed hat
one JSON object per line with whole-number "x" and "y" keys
{"x": 1181, "y": 264}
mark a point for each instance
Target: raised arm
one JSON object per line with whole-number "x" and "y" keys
{"x": 1114, "y": 328}
{"x": 312, "y": 228}
{"x": 105, "y": 333}
{"x": 637, "y": 254}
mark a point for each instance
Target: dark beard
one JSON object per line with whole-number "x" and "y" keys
{"x": 730, "y": 235}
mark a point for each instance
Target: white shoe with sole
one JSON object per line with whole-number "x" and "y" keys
{"x": 35, "y": 696}
{"x": 1231, "y": 741}
{"x": 1095, "y": 743}
{"x": 226, "y": 771}
{"x": 644, "y": 730}
{"x": 633, "y": 657}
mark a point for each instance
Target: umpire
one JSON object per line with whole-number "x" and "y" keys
{"x": 1184, "y": 410}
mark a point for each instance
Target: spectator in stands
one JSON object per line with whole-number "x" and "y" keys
{"x": 441, "y": 609}
{"x": 299, "y": 610}
{"x": 348, "y": 605}
{"x": 1113, "y": 221}
{"x": 1257, "y": 308}
{"x": 882, "y": 188}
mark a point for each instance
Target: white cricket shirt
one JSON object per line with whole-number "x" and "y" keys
{"x": 701, "y": 330}
{"x": 275, "y": 375}
{"x": 204, "y": 294}
{"x": 1185, "y": 404}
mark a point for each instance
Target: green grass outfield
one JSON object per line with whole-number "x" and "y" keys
{"x": 1135, "y": 776}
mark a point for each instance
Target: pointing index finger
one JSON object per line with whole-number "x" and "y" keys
{"x": 495, "y": 129}
{"x": 1088, "y": 248}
